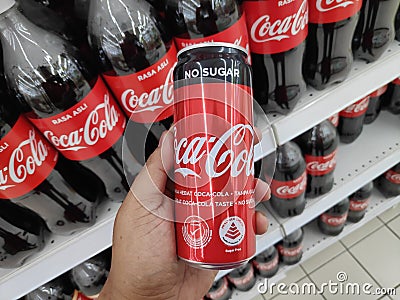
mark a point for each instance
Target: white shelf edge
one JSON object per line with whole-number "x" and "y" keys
{"x": 60, "y": 256}
{"x": 363, "y": 80}
{"x": 312, "y": 236}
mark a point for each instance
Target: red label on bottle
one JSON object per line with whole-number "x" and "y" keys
{"x": 356, "y": 109}
{"x": 379, "y": 91}
{"x": 88, "y": 128}
{"x": 236, "y": 34}
{"x": 290, "y": 251}
{"x": 276, "y": 26}
{"x": 333, "y": 220}
{"x": 358, "y": 205}
{"x": 245, "y": 279}
{"x": 221, "y": 291}
{"x": 289, "y": 189}
{"x": 266, "y": 266}
{"x": 393, "y": 176}
{"x": 27, "y": 159}
{"x": 320, "y": 165}
{"x": 334, "y": 119}
{"x": 396, "y": 81}
{"x": 80, "y": 296}
{"x": 147, "y": 96}
{"x": 329, "y": 11}
{"x": 214, "y": 173}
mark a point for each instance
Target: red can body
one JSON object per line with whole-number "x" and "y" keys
{"x": 214, "y": 156}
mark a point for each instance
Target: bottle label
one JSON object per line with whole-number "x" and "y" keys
{"x": 27, "y": 159}
{"x": 393, "y": 177}
{"x": 245, "y": 279}
{"x": 333, "y": 220}
{"x": 80, "y": 296}
{"x": 356, "y": 109}
{"x": 220, "y": 292}
{"x": 236, "y": 34}
{"x": 289, "y": 189}
{"x": 147, "y": 96}
{"x": 320, "y": 165}
{"x": 379, "y": 91}
{"x": 267, "y": 266}
{"x": 290, "y": 251}
{"x": 329, "y": 11}
{"x": 334, "y": 119}
{"x": 276, "y": 26}
{"x": 88, "y": 128}
{"x": 358, "y": 205}
{"x": 396, "y": 81}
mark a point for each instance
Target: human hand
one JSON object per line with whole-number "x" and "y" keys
{"x": 144, "y": 262}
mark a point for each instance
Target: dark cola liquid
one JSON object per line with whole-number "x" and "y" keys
{"x": 375, "y": 29}
{"x": 290, "y": 166}
{"x": 52, "y": 92}
{"x": 65, "y": 202}
{"x": 332, "y": 221}
{"x": 374, "y": 108}
{"x": 359, "y": 203}
{"x": 127, "y": 47}
{"x": 291, "y": 247}
{"x": 328, "y": 57}
{"x": 201, "y": 18}
{"x": 267, "y": 263}
{"x": 319, "y": 141}
{"x": 281, "y": 90}
{"x": 350, "y": 128}
{"x": 243, "y": 278}
{"x": 389, "y": 188}
{"x": 391, "y": 101}
{"x": 67, "y": 18}
{"x": 220, "y": 290}
{"x": 22, "y": 234}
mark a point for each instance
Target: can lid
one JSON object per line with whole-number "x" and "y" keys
{"x": 6, "y": 5}
{"x": 212, "y": 44}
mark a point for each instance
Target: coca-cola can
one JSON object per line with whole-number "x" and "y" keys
{"x": 214, "y": 156}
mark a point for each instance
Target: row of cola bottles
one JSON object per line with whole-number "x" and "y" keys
{"x": 76, "y": 70}
{"x": 305, "y": 166}
{"x": 289, "y": 251}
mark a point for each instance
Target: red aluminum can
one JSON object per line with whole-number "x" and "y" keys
{"x": 214, "y": 156}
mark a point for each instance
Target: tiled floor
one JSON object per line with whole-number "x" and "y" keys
{"x": 369, "y": 255}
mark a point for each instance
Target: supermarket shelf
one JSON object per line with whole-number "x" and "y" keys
{"x": 60, "y": 255}
{"x": 315, "y": 241}
{"x": 375, "y": 151}
{"x": 317, "y": 106}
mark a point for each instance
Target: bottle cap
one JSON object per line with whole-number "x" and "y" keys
{"x": 6, "y": 5}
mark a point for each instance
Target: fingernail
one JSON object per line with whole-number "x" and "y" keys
{"x": 162, "y": 138}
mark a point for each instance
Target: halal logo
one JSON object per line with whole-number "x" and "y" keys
{"x": 196, "y": 232}
{"x": 232, "y": 231}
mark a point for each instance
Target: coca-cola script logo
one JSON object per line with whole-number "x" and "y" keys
{"x": 150, "y": 100}
{"x": 327, "y": 5}
{"x": 24, "y": 163}
{"x": 290, "y": 252}
{"x": 393, "y": 177}
{"x": 333, "y": 220}
{"x": 356, "y": 205}
{"x": 320, "y": 165}
{"x": 94, "y": 129}
{"x": 289, "y": 189}
{"x": 87, "y": 129}
{"x": 191, "y": 151}
{"x": 265, "y": 29}
{"x": 356, "y": 109}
